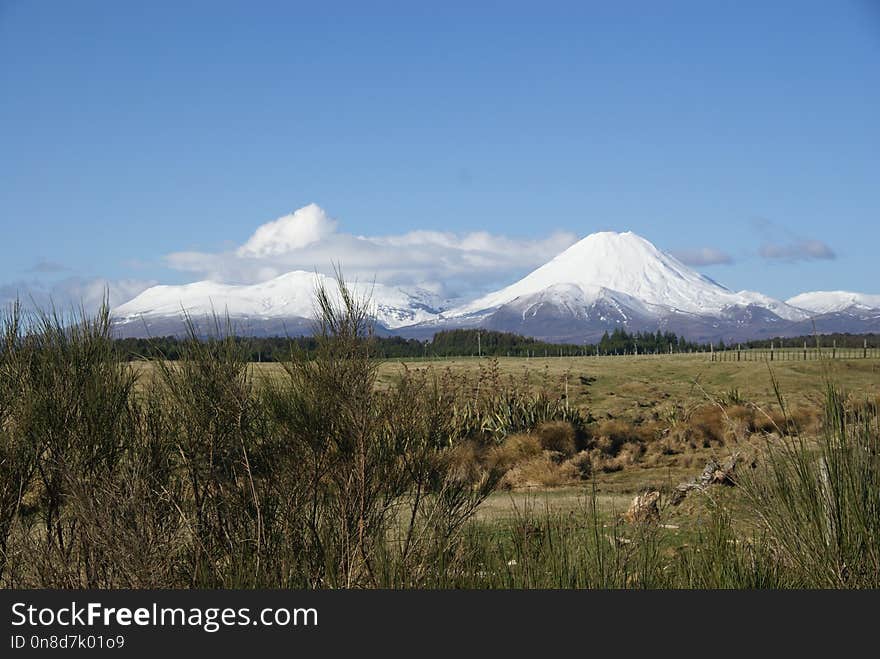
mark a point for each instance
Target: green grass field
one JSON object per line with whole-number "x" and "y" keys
{"x": 632, "y": 387}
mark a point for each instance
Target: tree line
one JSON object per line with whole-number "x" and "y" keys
{"x": 448, "y": 343}
{"x": 487, "y": 343}
{"x": 841, "y": 340}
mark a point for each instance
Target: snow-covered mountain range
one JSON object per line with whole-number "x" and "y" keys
{"x": 604, "y": 281}
{"x": 280, "y": 306}
{"x": 834, "y": 301}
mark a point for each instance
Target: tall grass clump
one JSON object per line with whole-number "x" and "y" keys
{"x": 818, "y": 502}
{"x": 720, "y": 557}
{"x": 591, "y": 547}
{"x": 583, "y": 548}
{"x": 487, "y": 405}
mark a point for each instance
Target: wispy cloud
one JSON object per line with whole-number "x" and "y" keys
{"x": 309, "y": 239}
{"x": 48, "y": 267}
{"x": 801, "y": 250}
{"x": 781, "y": 244}
{"x": 702, "y": 256}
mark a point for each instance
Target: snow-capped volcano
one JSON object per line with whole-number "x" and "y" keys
{"x": 823, "y": 302}
{"x": 289, "y": 297}
{"x": 604, "y": 281}
{"x": 610, "y": 279}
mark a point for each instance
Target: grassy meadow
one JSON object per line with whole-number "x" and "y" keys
{"x": 640, "y": 390}
{"x": 340, "y": 470}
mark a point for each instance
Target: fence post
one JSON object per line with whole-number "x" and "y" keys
{"x": 865, "y": 350}
{"x": 772, "y": 347}
{"x": 834, "y": 349}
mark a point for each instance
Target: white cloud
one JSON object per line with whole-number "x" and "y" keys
{"x": 299, "y": 229}
{"x": 308, "y": 239}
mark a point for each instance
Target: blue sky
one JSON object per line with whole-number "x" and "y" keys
{"x": 147, "y": 142}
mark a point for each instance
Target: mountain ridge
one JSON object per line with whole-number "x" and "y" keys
{"x": 603, "y": 281}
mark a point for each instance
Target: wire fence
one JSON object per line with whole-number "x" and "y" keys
{"x": 806, "y": 353}
{"x": 809, "y": 352}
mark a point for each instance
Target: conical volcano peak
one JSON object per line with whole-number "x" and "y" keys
{"x": 623, "y": 263}
{"x": 609, "y": 264}
{"x": 611, "y": 246}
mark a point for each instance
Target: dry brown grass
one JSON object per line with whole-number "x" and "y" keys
{"x": 549, "y": 456}
{"x": 580, "y": 466}
{"x": 545, "y": 458}
{"x": 538, "y": 472}
{"x": 557, "y": 436}
{"x": 464, "y": 462}
{"x": 515, "y": 450}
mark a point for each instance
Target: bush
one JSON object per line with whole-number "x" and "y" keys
{"x": 201, "y": 477}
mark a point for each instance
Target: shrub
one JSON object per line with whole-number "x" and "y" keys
{"x": 202, "y": 477}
